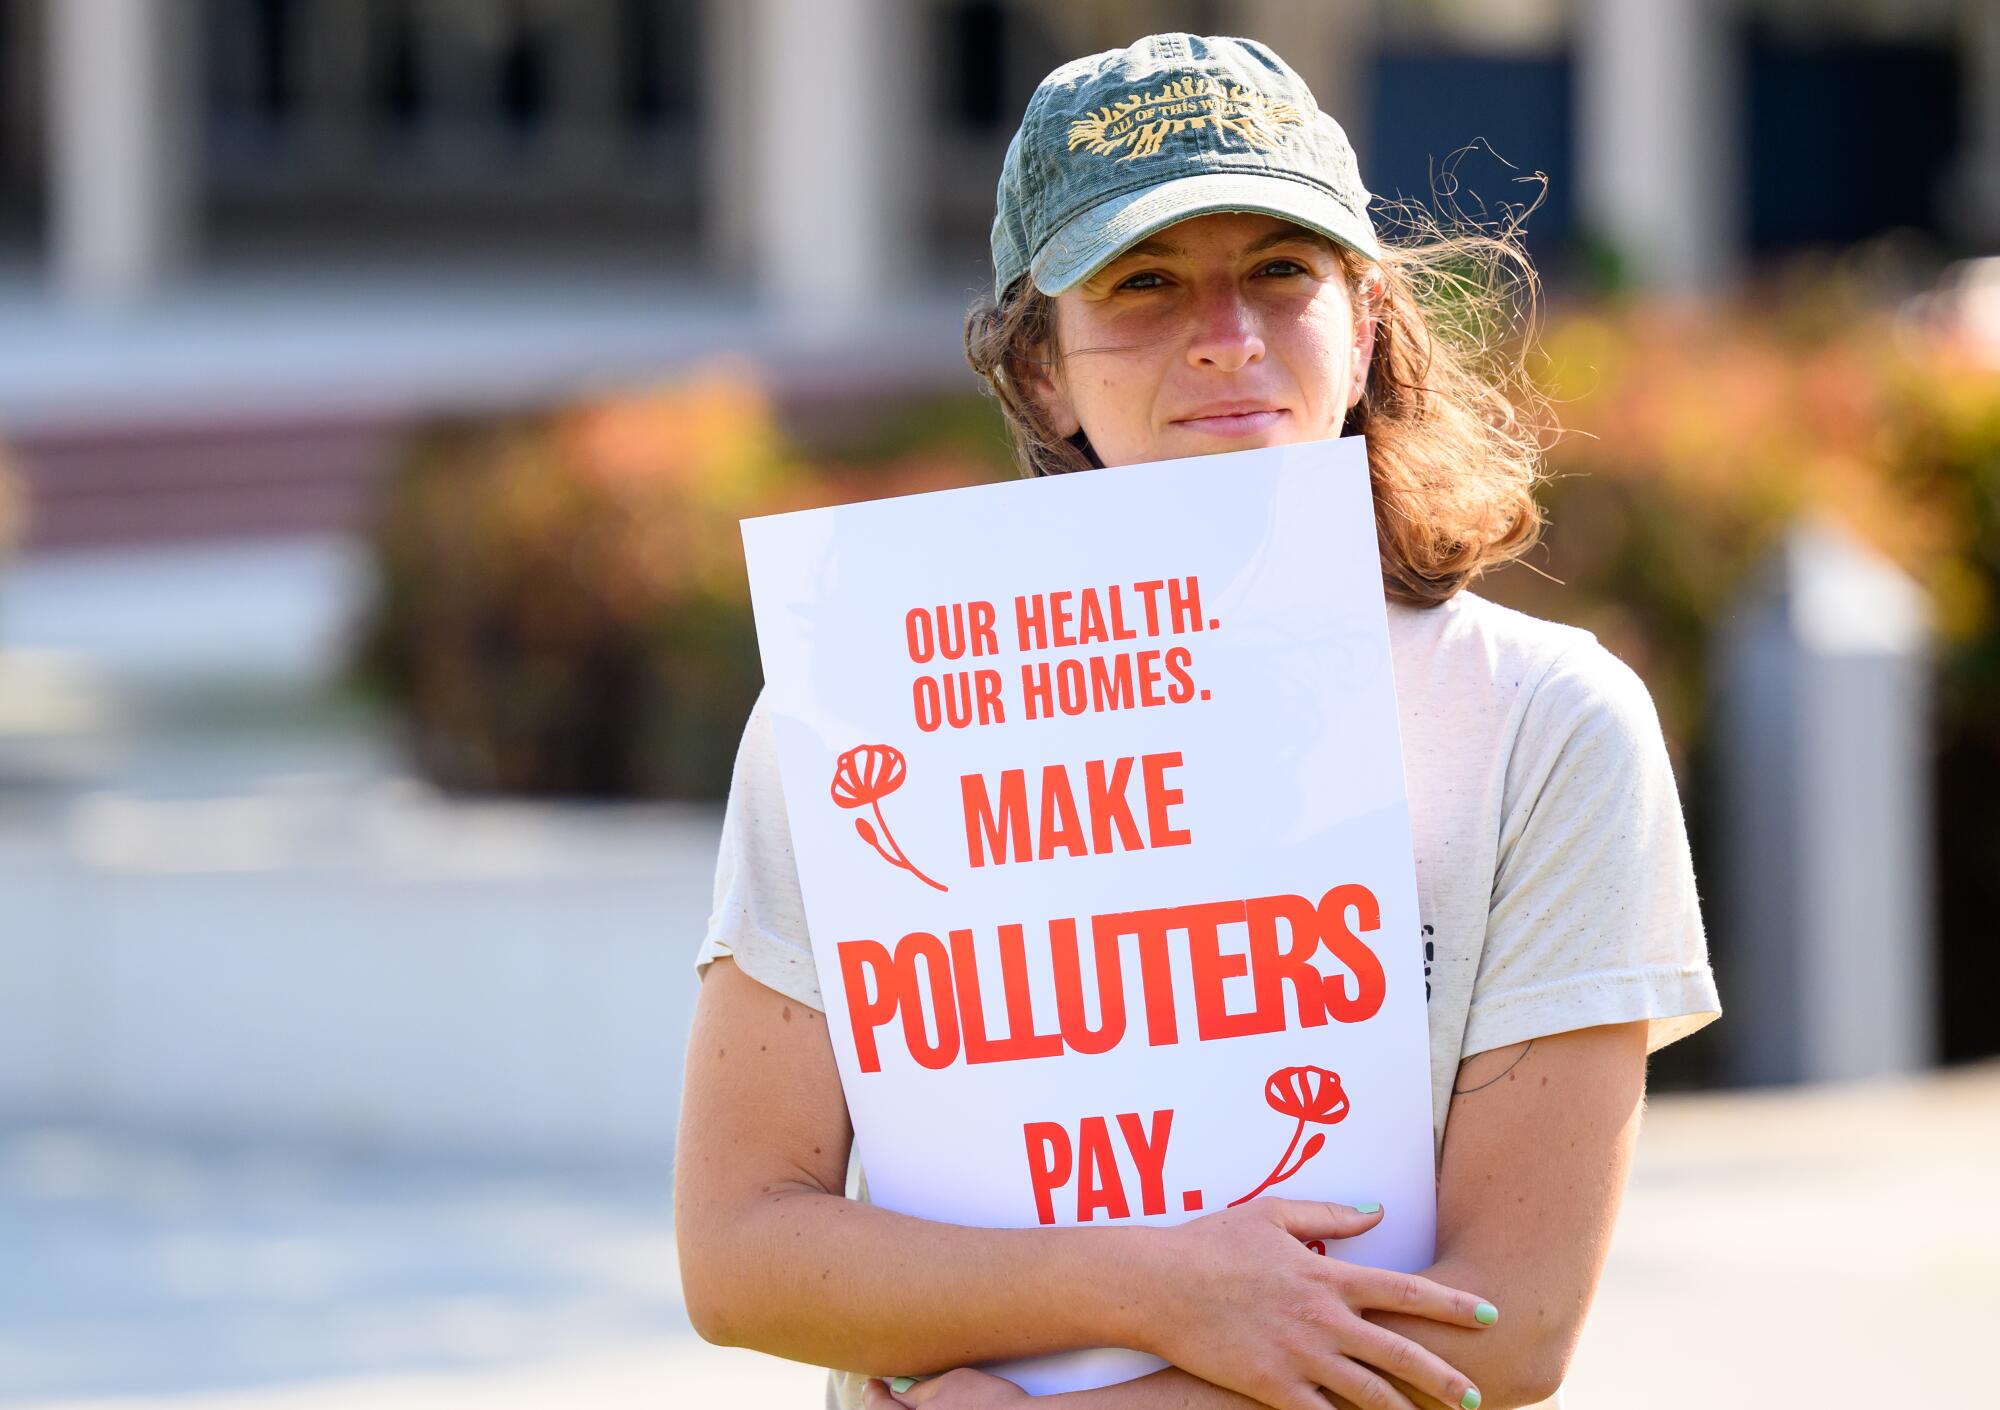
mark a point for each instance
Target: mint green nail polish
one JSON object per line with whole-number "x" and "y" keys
{"x": 1470, "y": 1400}
{"x": 1366, "y": 1208}
{"x": 1487, "y": 1313}
{"x": 899, "y": 1384}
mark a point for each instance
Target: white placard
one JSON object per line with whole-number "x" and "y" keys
{"x": 1096, "y": 789}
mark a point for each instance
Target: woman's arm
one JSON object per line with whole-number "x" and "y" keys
{"x": 1538, "y": 1149}
{"x": 773, "y": 1256}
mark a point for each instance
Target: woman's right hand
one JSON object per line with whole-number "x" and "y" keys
{"x": 1241, "y": 1300}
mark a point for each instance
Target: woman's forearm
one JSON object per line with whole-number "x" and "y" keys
{"x": 815, "y": 1277}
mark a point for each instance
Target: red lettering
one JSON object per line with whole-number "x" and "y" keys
{"x": 1275, "y": 964}
{"x": 1151, "y": 591}
{"x": 1211, "y": 967}
{"x": 1022, "y": 1039}
{"x": 1097, "y": 1183}
{"x": 1037, "y": 691}
{"x": 1061, "y": 827}
{"x": 1350, "y": 950}
{"x": 924, "y": 703}
{"x": 1111, "y": 682}
{"x": 1092, "y": 626}
{"x": 1031, "y": 628}
{"x": 971, "y": 1007}
{"x": 937, "y": 978}
{"x": 867, "y": 1013}
{"x": 1154, "y": 977}
{"x": 1072, "y": 691}
{"x": 1184, "y": 602}
{"x": 1048, "y": 1164}
{"x": 1003, "y": 832}
{"x": 991, "y": 711}
{"x": 1119, "y": 631}
{"x": 1149, "y": 1154}
{"x": 1059, "y": 619}
{"x": 1149, "y": 679}
{"x": 984, "y": 641}
{"x": 1076, "y": 1032}
{"x": 1159, "y": 828}
{"x": 1105, "y": 795}
{"x": 917, "y": 631}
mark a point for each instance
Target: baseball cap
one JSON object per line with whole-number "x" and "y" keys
{"x": 1120, "y": 145}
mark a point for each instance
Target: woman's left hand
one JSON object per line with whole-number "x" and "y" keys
{"x": 963, "y": 1389}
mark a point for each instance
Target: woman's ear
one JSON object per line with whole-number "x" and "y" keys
{"x": 1042, "y": 379}
{"x": 1367, "y": 312}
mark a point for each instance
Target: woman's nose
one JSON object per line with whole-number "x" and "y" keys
{"x": 1226, "y": 335}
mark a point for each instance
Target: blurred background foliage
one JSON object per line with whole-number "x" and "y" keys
{"x": 563, "y": 608}
{"x": 1694, "y": 434}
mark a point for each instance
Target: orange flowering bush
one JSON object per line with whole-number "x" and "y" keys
{"x": 1694, "y": 435}
{"x": 562, "y": 606}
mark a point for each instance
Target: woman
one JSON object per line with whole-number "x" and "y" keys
{"x": 1184, "y": 264}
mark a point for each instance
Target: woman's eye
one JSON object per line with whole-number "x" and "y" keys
{"x": 1142, "y": 281}
{"x": 1283, "y": 268}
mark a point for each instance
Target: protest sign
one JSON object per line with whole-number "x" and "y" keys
{"x": 1096, "y": 792}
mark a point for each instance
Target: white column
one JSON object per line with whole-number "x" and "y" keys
{"x": 1975, "y": 198}
{"x": 122, "y": 145}
{"x": 1822, "y": 706}
{"x": 1656, "y": 137}
{"x": 811, "y": 131}
{"x": 728, "y": 203}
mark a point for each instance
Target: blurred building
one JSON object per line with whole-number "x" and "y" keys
{"x": 309, "y": 219}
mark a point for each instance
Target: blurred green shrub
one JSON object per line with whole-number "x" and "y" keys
{"x": 562, "y": 608}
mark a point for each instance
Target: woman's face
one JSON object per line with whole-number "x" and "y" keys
{"x": 1224, "y": 332}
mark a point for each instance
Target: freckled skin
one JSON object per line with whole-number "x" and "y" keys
{"x": 1221, "y": 313}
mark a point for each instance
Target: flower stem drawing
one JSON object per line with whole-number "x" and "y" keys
{"x": 863, "y": 777}
{"x": 1307, "y": 1094}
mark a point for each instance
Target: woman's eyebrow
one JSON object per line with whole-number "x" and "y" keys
{"x": 1154, "y": 247}
{"x": 1287, "y": 237}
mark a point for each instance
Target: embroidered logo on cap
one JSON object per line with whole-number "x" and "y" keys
{"x": 1142, "y": 121}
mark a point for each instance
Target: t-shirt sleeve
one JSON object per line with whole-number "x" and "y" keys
{"x": 1594, "y": 916}
{"x": 758, "y": 918}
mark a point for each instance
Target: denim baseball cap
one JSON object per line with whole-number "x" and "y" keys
{"x": 1120, "y": 145}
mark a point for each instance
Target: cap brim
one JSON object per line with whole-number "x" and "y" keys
{"x": 1097, "y": 236}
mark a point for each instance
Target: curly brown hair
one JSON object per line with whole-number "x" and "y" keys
{"x": 1456, "y": 428}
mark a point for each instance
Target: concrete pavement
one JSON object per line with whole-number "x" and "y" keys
{"x": 1775, "y": 1247}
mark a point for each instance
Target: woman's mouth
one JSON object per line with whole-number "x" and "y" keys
{"x": 1232, "y": 421}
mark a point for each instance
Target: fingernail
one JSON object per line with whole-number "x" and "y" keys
{"x": 1366, "y": 1208}
{"x": 1487, "y": 1313}
{"x": 1470, "y": 1400}
{"x": 900, "y": 1384}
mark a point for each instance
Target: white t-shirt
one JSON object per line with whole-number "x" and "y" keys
{"x": 1553, "y": 878}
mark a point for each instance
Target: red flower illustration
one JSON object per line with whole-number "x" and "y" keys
{"x": 1304, "y": 1094}
{"x": 862, "y": 778}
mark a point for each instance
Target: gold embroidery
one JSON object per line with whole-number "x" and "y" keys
{"x": 1142, "y": 121}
